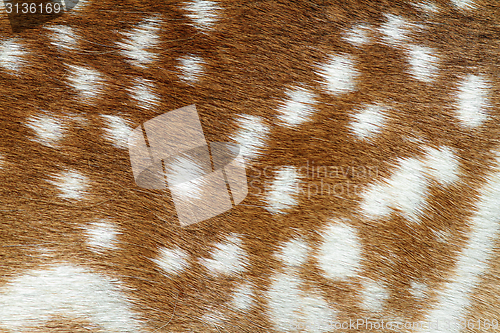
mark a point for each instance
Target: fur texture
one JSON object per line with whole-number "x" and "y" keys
{"x": 369, "y": 130}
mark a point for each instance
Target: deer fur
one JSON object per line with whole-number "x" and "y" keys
{"x": 369, "y": 132}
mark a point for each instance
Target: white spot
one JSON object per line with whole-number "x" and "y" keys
{"x": 191, "y": 68}
{"x": 284, "y": 302}
{"x": 316, "y": 315}
{"x": 358, "y": 35}
{"x": 251, "y": 135}
{"x": 427, "y": 6}
{"x": 32, "y": 299}
{"x": 297, "y": 108}
{"x": 294, "y": 252}
{"x": 407, "y": 189}
{"x": 374, "y": 295}
{"x": 49, "y": 131}
{"x": 203, "y": 13}
{"x": 369, "y": 121}
{"x": 283, "y": 191}
{"x": 227, "y": 258}
{"x": 405, "y": 192}
{"x": 187, "y": 176}
{"x": 172, "y": 261}
{"x": 142, "y": 92}
{"x": 464, "y": 4}
{"x": 418, "y": 289}
{"x": 214, "y": 318}
{"x": 442, "y": 236}
{"x": 291, "y": 311}
{"x": 138, "y": 43}
{"x": 45, "y": 252}
{"x": 455, "y": 297}
{"x": 117, "y": 131}
{"x": 11, "y": 53}
{"x": 473, "y": 100}
{"x": 71, "y": 184}
{"x": 78, "y": 120}
{"x": 87, "y": 82}
{"x": 102, "y": 236}
{"x": 376, "y": 201}
{"x": 395, "y": 30}
{"x": 339, "y": 74}
{"x": 340, "y": 252}
{"x": 243, "y": 297}
{"x": 62, "y": 37}
{"x": 442, "y": 164}
{"x": 423, "y": 62}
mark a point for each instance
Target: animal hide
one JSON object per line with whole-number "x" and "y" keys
{"x": 359, "y": 190}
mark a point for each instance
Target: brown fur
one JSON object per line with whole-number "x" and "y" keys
{"x": 256, "y": 51}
